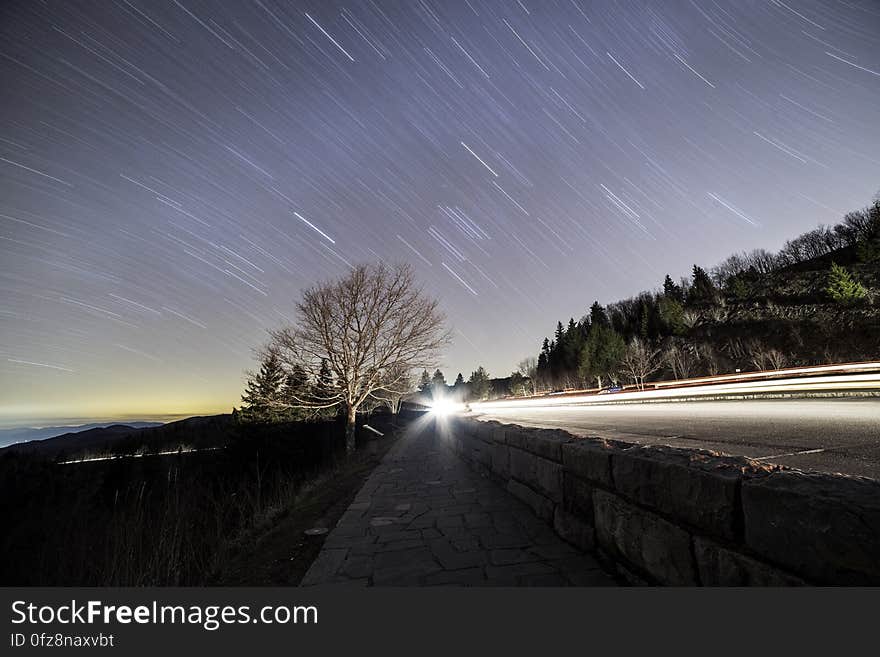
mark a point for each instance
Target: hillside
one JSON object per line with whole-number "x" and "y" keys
{"x": 120, "y": 439}
{"x": 815, "y": 301}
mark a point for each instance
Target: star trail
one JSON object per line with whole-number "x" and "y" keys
{"x": 174, "y": 172}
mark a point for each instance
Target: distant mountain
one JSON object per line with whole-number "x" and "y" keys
{"x": 25, "y": 434}
{"x": 119, "y": 439}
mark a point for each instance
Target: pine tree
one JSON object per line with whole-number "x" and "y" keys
{"x": 459, "y": 380}
{"x": 543, "y": 366}
{"x": 672, "y": 315}
{"x": 479, "y": 384}
{"x": 602, "y": 354}
{"x": 560, "y": 333}
{"x": 324, "y": 387}
{"x": 518, "y": 385}
{"x": 425, "y": 383}
{"x": 736, "y": 288}
{"x": 297, "y": 383}
{"x": 643, "y": 322}
{"x": 843, "y": 288}
{"x": 702, "y": 288}
{"x": 598, "y": 317}
{"x": 263, "y": 399}
{"x": 671, "y": 290}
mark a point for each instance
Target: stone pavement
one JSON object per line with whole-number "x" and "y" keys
{"x": 424, "y": 518}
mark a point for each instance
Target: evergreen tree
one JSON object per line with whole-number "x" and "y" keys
{"x": 735, "y": 287}
{"x": 438, "y": 383}
{"x": 702, "y": 290}
{"x": 263, "y": 398}
{"x": 425, "y": 383}
{"x": 297, "y": 383}
{"x": 671, "y": 290}
{"x": 598, "y": 317}
{"x": 843, "y": 288}
{"x": 602, "y": 354}
{"x": 518, "y": 385}
{"x": 479, "y": 384}
{"x": 643, "y": 321}
{"x": 672, "y": 316}
{"x": 324, "y": 388}
{"x": 568, "y": 350}
{"x": 459, "y": 381}
{"x": 543, "y": 365}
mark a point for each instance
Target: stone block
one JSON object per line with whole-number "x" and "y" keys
{"x": 574, "y": 529}
{"x": 548, "y": 476}
{"x": 481, "y": 430}
{"x": 590, "y": 459}
{"x": 825, "y": 528}
{"x": 542, "y": 506}
{"x": 547, "y": 443}
{"x": 522, "y": 466}
{"x": 515, "y": 436}
{"x": 720, "y": 566}
{"x": 498, "y": 433}
{"x": 577, "y": 496}
{"x": 645, "y": 540}
{"x": 500, "y": 460}
{"x": 698, "y": 488}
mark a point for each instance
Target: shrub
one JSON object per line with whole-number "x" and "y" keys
{"x": 843, "y": 288}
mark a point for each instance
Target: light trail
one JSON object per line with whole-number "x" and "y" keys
{"x": 117, "y": 457}
{"x": 827, "y": 378}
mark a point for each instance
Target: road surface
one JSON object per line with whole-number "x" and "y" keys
{"x": 829, "y": 435}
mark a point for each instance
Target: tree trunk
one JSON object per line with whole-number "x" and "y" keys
{"x": 350, "y": 427}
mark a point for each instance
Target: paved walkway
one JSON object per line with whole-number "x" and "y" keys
{"x": 425, "y": 518}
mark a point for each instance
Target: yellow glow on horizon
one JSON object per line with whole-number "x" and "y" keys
{"x": 131, "y": 402}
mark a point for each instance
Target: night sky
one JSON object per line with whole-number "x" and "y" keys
{"x": 174, "y": 172}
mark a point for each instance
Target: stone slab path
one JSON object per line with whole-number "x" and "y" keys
{"x": 424, "y": 518}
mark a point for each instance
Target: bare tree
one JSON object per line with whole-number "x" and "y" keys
{"x": 528, "y": 367}
{"x": 371, "y": 327}
{"x": 640, "y": 361}
{"x": 776, "y": 359}
{"x": 761, "y": 261}
{"x": 397, "y": 384}
{"x": 681, "y": 360}
{"x": 709, "y": 359}
{"x": 764, "y": 357}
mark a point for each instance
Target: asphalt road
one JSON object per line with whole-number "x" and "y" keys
{"x": 829, "y": 435}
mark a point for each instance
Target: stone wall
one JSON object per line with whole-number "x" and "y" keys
{"x": 672, "y": 516}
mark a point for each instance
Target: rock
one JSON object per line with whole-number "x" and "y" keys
{"x": 695, "y": 487}
{"x": 645, "y": 540}
{"x": 823, "y": 527}
{"x": 548, "y": 477}
{"x": 588, "y": 458}
{"x": 547, "y": 443}
{"x": 574, "y": 529}
{"x": 578, "y": 496}
{"x": 522, "y": 466}
{"x": 719, "y": 566}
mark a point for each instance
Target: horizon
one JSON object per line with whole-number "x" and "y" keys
{"x": 167, "y": 190}
{"x": 76, "y": 422}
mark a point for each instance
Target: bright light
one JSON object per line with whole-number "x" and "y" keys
{"x": 442, "y": 407}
